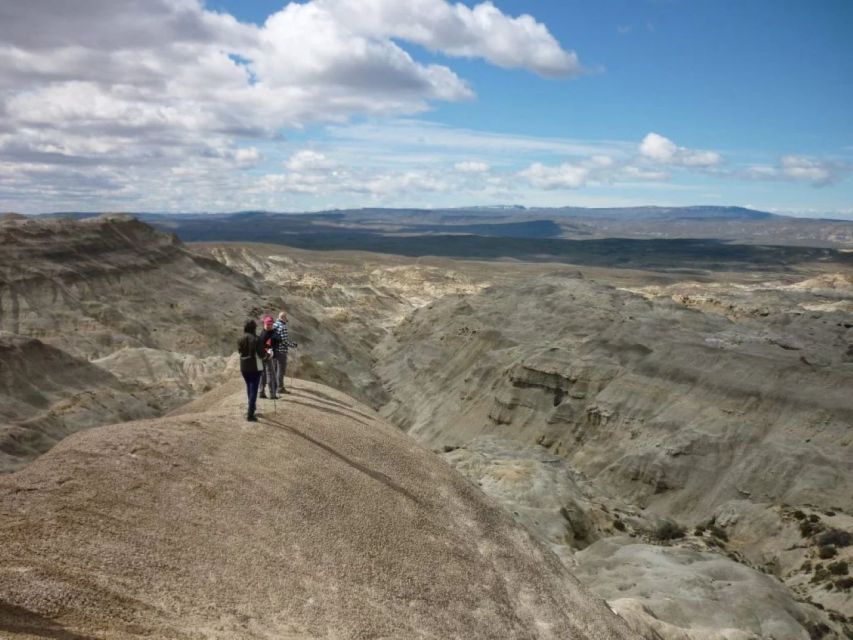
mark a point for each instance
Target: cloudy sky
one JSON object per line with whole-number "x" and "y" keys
{"x": 221, "y": 105}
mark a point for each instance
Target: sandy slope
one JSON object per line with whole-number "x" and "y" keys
{"x": 321, "y": 521}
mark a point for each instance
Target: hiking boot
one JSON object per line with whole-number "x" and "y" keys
{"x": 262, "y": 395}
{"x": 252, "y": 418}
{"x": 273, "y": 397}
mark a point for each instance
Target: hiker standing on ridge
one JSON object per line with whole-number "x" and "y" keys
{"x": 269, "y": 340}
{"x": 280, "y": 355}
{"x": 251, "y": 362}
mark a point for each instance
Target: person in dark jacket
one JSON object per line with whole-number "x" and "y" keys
{"x": 251, "y": 363}
{"x": 269, "y": 341}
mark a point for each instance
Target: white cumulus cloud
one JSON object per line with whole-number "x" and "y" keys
{"x": 482, "y": 31}
{"x": 563, "y": 176}
{"x": 658, "y": 148}
{"x": 307, "y": 160}
{"x": 809, "y": 170}
{"x": 797, "y": 168}
{"x": 470, "y": 166}
{"x": 141, "y": 87}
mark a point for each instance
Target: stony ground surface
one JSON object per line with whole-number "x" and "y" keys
{"x": 319, "y": 521}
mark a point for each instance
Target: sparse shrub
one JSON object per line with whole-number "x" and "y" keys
{"x": 669, "y": 531}
{"x": 619, "y": 525}
{"x": 829, "y": 513}
{"x": 844, "y": 583}
{"x": 719, "y": 532}
{"x": 820, "y": 575}
{"x": 836, "y": 537}
{"x": 715, "y": 542}
{"x": 826, "y": 551}
{"x": 817, "y": 630}
{"x": 699, "y": 530}
{"x": 814, "y": 517}
{"x": 808, "y": 528}
{"x": 838, "y": 568}
{"x": 806, "y": 566}
{"x": 799, "y": 515}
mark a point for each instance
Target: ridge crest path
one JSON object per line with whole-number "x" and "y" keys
{"x": 320, "y": 521}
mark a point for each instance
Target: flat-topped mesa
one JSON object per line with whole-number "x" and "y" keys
{"x": 76, "y": 249}
{"x": 93, "y": 286}
{"x": 321, "y": 520}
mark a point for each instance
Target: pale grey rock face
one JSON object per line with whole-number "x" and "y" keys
{"x": 798, "y": 545}
{"x": 47, "y": 394}
{"x": 698, "y": 595}
{"x": 174, "y": 377}
{"x": 105, "y": 320}
{"x": 545, "y": 493}
{"x": 632, "y": 392}
{"x": 686, "y": 589}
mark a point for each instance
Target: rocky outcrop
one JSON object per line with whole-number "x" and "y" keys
{"x": 343, "y": 304}
{"x": 671, "y": 409}
{"x": 106, "y": 319}
{"x": 112, "y": 295}
{"x": 676, "y": 411}
{"x": 685, "y": 594}
{"x": 664, "y": 579}
{"x": 320, "y": 521}
{"x": 91, "y": 287}
{"x": 47, "y": 394}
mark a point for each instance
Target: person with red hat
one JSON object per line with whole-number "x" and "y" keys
{"x": 269, "y": 340}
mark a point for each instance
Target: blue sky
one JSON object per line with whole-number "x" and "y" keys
{"x": 329, "y": 104}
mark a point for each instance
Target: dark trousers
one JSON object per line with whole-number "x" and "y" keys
{"x": 268, "y": 376}
{"x": 281, "y": 368}
{"x": 253, "y": 379}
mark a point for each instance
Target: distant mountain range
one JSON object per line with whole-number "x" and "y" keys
{"x": 371, "y": 228}
{"x": 695, "y": 212}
